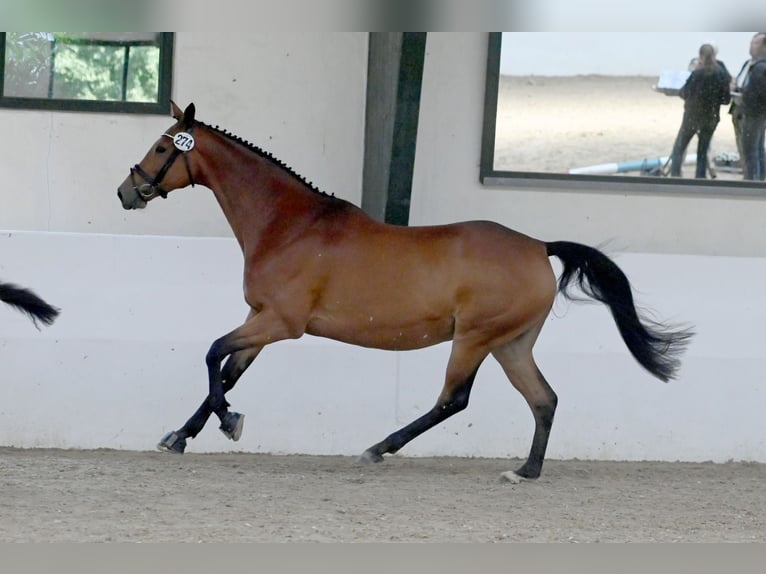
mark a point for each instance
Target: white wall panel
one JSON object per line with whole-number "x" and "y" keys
{"x": 124, "y": 363}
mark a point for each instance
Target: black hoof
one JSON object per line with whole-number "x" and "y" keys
{"x": 172, "y": 443}
{"x": 368, "y": 457}
{"x": 528, "y": 473}
{"x": 231, "y": 425}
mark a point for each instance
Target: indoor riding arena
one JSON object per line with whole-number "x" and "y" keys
{"x": 150, "y": 285}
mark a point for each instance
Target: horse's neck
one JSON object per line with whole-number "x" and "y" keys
{"x": 256, "y": 195}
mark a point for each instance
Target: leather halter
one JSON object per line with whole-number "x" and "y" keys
{"x": 154, "y": 182}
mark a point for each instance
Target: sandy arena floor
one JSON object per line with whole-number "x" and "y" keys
{"x": 121, "y": 496}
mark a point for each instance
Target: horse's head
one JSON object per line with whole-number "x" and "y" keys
{"x": 159, "y": 172}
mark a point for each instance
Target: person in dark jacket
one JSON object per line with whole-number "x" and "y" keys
{"x": 753, "y": 104}
{"x": 704, "y": 92}
{"x": 736, "y": 109}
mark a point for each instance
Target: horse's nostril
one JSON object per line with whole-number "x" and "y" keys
{"x": 119, "y": 194}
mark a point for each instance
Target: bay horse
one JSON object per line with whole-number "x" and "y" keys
{"x": 28, "y": 302}
{"x": 317, "y": 264}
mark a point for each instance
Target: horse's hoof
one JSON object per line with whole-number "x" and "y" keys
{"x": 368, "y": 457}
{"x": 511, "y": 477}
{"x": 172, "y": 443}
{"x": 231, "y": 425}
{"x": 515, "y": 477}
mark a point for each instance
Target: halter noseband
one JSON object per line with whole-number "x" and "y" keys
{"x": 153, "y": 183}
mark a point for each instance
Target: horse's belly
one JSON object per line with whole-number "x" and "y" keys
{"x": 378, "y": 333}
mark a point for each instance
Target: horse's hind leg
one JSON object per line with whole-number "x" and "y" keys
{"x": 233, "y": 368}
{"x": 519, "y": 365}
{"x": 461, "y": 371}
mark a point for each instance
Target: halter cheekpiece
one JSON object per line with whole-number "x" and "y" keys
{"x": 183, "y": 143}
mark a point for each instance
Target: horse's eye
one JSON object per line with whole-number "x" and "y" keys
{"x": 160, "y": 149}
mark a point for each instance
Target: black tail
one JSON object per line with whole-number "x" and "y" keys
{"x": 656, "y": 346}
{"x": 26, "y": 301}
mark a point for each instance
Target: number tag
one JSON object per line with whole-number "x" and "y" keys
{"x": 184, "y": 141}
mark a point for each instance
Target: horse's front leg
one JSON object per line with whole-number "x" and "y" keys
{"x": 231, "y": 422}
{"x": 241, "y": 346}
{"x": 233, "y": 368}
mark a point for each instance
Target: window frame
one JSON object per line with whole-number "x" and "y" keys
{"x": 614, "y": 184}
{"x": 165, "y": 82}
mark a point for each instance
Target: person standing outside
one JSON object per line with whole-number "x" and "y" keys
{"x": 706, "y": 89}
{"x": 753, "y": 104}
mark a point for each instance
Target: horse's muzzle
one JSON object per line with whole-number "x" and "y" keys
{"x": 130, "y": 198}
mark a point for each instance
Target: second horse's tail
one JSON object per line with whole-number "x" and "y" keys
{"x": 655, "y": 346}
{"x": 26, "y": 301}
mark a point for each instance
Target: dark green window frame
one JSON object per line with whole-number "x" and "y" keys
{"x": 489, "y": 175}
{"x": 161, "y": 106}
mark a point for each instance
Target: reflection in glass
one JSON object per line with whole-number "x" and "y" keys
{"x": 121, "y": 66}
{"x": 599, "y": 103}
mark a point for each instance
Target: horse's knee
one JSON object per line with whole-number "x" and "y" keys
{"x": 230, "y": 372}
{"x": 216, "y": 353}
{"x": 236, "y": 364}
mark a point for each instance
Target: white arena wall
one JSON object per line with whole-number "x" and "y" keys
{"x": 124, "y": 363}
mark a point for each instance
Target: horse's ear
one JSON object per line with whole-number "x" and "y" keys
{"x": 176, "y": 111}
{"x": 189, "y": 115}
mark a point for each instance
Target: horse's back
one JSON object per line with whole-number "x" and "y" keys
{"x": 466, "y": 251}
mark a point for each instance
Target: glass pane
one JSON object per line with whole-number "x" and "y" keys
{"x": 143, "y": 74}
{"x": 122, "y": 67}
{"x": 601, "y": 112}
{"x": 606, "y": 103}
{"x": 27, "y": 64}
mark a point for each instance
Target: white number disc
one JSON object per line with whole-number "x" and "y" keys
{"x": 184, "y": 141}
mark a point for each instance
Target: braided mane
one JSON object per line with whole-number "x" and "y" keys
{"x": 266, "y": 155}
